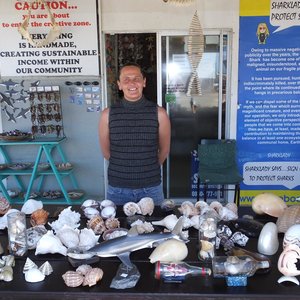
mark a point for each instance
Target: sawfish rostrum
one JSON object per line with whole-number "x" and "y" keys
{"x": 122, "y": 246}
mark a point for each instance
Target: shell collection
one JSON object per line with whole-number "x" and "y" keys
{"x": 33, "y": 273}
{"x": 6, "y": 267}
{"x": 84, "y": 275}
{"x": 144, "y": 207}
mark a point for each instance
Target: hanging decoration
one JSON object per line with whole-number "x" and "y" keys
{"x": 180, "y": 2}
{"x": 52, "y": 35}
{"x": 195, "y": 52}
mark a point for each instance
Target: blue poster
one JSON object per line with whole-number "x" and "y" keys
{"x": 268, "y": 118}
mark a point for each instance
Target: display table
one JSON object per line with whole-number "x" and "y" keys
{"x": 260, "y": 286}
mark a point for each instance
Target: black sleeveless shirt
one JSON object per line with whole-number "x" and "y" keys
{"x": 133, "y": 129}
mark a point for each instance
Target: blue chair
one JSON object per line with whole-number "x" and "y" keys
{"x": 218, "y": 167}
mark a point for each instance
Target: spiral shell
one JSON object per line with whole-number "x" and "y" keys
{"x": 92, "y": 276}
{"x": 290, "y": 217}
{"x": 96, "y": 224}
{"x": 4, "y": 206}
{"x": 131, "y": 208}
{"x": 72, "y": 279}
{"x": 46, "y": 268}
{"x": 39, "y": 217}
{"x": 29, "y": 264}
{"x": 146, "y": 205}
{"x": 112, "y": 223}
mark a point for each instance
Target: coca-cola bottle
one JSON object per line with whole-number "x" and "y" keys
{"x": 178, "y": 271}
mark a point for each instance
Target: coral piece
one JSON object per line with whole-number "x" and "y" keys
{"x": 39, "y": 217}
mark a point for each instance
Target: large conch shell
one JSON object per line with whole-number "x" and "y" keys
{"x": 168, "y": 251}
{"x": 290, "y": 217}
{"x": 168, "y": 222}
{"x": 268, "y": 203}
{"x": 287, "y": 264}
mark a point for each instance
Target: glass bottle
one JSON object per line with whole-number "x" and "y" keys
{"x": 178, "y": 271}
{"x": 237, "y": 266}
{"x": 207, "y": 236}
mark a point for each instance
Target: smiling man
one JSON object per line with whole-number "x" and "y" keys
{"x": 134, "y": 136}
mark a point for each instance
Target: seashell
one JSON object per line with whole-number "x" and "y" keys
{"x": 68, "y": 236}
{"x": 131, "y": 208}
{"x": 72, "y": 279}
{"x": 91, "y": 212}
{"x": 292, "y": 236}
{"x": 288, "y": 278}
{"x": 87, "y": 238}
{"x": 226, "y": 214}
{"x": 29, "y": 264}
{"x": 34, "y": 234}
{"x": 83, "y": 269}
{"x": 268, "y": 242}
{"x": 46, "y": 268}
{"x": 6, "y": 274}
{"x": 146, "y": 205}
{"x": 167, "y": 205}
{"x": 165, "y": 251}
{"x": 201, "y": 206}
{"x": 39, "y": 217}
{"x": 188, "y": 209}
{"x": 34, "y": 275}
{"x": 216, "y": 205}
{"x": 108, "y": 212}
{"x": 112, "y": 223}
{"x": 104, "y": 203}
{"x": 187, "y": 223}
{"x": 3, "y": 220}
{"x": 9, "y": 260}
{"x": 49, "y": 243}
{"x": 239, "y": 238}
{"x": 114, "y": 233}
{"x": 290, "y": 217}
{"x": 233, "y": 207}
{"x": 268, "y": 203}
{"x": 4, "y": 206}
{"x": 89, "y": 203}
{"x": 66, "y": 217}
{"x": 30, "y": 206}
{"x": 287, "y": 261}
{"x": 92, "y": 276}
{"x": 142, "y": 227}
{"x": 168, "y": 222}
{"x": 195, "y": 221}
{"x": 96, "y": 224}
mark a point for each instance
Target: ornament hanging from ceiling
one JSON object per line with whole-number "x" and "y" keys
{"x": 52, "y": 35}
{"x": 195, "y": 52}
{"x": 180, "y": 2}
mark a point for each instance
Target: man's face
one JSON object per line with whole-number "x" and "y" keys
{"x": 131, "y": 82}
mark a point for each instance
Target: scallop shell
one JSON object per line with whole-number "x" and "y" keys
{"x": 31, "y": 205}
{"x": 131, "y": 208}
{"x": 89, "y": 203}
{"x": 168, "y": 222}
{"x": 112, "y": 223}
{"x": 268, "y": 203}
{"x": 72, "y": 279}
{"x": 108, "y": 212}
{"x": 39, "y": 217}
{"x": 146, "y": 205}
{"x": 96, "y": 224}
{"x": 34, "y": 234}
{"x": 34, "y": 275}
{"x": 68, "y": 236}
{"x": 165, "y": 251}
{"x": 49, "y": 243}
{"x": 92, "y": 276}
{"x": 4, "y": 206}
{"x": 106, "y": 202}
{"x": 46, "y": 268}
{"x": 83, "y": 269}
{"x": 292, "y": 236}
{"x": 290, "y": 217}
{"x": 188, "y": 209}
{"x": 29, "y": 264}
{"x": 87, "y": 238}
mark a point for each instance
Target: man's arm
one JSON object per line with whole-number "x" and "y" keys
{"x": 103, "y": 132}
{"x": 164, "y": 134}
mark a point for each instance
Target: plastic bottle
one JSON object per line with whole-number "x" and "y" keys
{"x": 178, "y": 271}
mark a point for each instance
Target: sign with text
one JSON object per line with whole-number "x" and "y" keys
{"x": 268, "y": 132}
{"x": 74, "y": 52}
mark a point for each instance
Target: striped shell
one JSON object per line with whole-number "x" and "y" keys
{"x": 96, "y": 224}
{"x": 72, "y": 279}
{"x": 290, "y": 216}
{"x": 46, "y": 268}
{"x": 39, "y": 217}
{"x": 4, "y": 206}
{"x": 83, "y": 269}
{"x": 112, "y": 223}
{"x": 92, "y": 276}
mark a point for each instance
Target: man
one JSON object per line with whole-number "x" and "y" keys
{"x": 135, "y": 137}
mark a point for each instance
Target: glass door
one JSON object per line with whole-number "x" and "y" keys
{"x": 192, "y": 117}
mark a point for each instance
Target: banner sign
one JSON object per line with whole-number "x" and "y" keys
{"x": 74, "y": 52}
{"x": 268, "y": 132}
